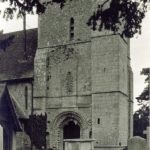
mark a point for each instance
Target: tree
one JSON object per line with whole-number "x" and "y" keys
{"x": 128, "y": 13}
{"x": 37, "y": 125}
{"x": 141, "y": 116}
{"x": 144, "y": 96}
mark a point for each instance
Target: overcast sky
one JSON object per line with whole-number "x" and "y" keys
{"x": 140, "y": 55}
{"x": 140, "y": 46}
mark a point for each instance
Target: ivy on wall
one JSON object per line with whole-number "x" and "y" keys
{"x": 36, "y": 128}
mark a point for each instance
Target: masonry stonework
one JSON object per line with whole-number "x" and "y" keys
{"x": 85, "y": 80}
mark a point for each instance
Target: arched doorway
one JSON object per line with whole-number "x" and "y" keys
{"x": 62, "y": 128}
{"x": 71, "y": 130}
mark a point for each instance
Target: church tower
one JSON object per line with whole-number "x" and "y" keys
{"x": 82, "y": 78}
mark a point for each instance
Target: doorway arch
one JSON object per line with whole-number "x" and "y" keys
{"x": 67, "y": 119}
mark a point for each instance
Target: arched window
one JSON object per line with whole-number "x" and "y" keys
{"x": 72, "y": 29}
{"x": 26, "y": 97}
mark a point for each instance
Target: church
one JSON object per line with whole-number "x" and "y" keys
{"x": 82, "y": 80}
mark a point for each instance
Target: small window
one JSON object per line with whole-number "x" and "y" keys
{"x": 90, "y": 134}
{"x": 98, "y": 121}
{"x": 47, "y": 62}
{"x": 26, "y": 97}
{"x": 72, "y": 21}
{"x": 72, "y": 29}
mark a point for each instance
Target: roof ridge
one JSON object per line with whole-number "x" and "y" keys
{"x": 7, "y": 33}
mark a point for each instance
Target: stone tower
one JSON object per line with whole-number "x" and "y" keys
{"x": 82, "y": 78}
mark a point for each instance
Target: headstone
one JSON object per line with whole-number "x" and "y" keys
{"x": 27, "y": 142}
{"x": 137, "y": 143}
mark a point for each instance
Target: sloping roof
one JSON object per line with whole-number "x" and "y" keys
{"x": 12, "y": 62}
{"x": 7, "y": 107}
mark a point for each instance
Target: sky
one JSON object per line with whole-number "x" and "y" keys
{"x": 140, "y": 56}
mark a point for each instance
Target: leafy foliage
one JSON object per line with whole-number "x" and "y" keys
{"x": 144, "y": 96}
{"x": 121, "y": 15}
{"x": 141, "y": 116}
{"x": 141, "y": 121}
{"x": 27, "y": 6}
{"x": 37, "y": 125}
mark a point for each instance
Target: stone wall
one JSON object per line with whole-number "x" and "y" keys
{"x": 105, "y": 108}
{"x": 109, "y": 64}
{"x": 68, "y": 71}
{"x": 21, "y": 93}
{"x": 40, "y": 73}
{"x": 17, "y": 91}
{"x": 110, "y": 90}
{"x": 123, "y": 120}
{"x": 54, "y": 24}
{"x": 130, "y": 93}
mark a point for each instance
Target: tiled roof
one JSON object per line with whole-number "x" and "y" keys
{"x": 13, "y": 64}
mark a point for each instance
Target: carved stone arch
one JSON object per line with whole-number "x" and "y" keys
{"x": 61, "y": 120}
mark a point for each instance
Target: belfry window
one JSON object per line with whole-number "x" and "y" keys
{"x": 72, "y": 29}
